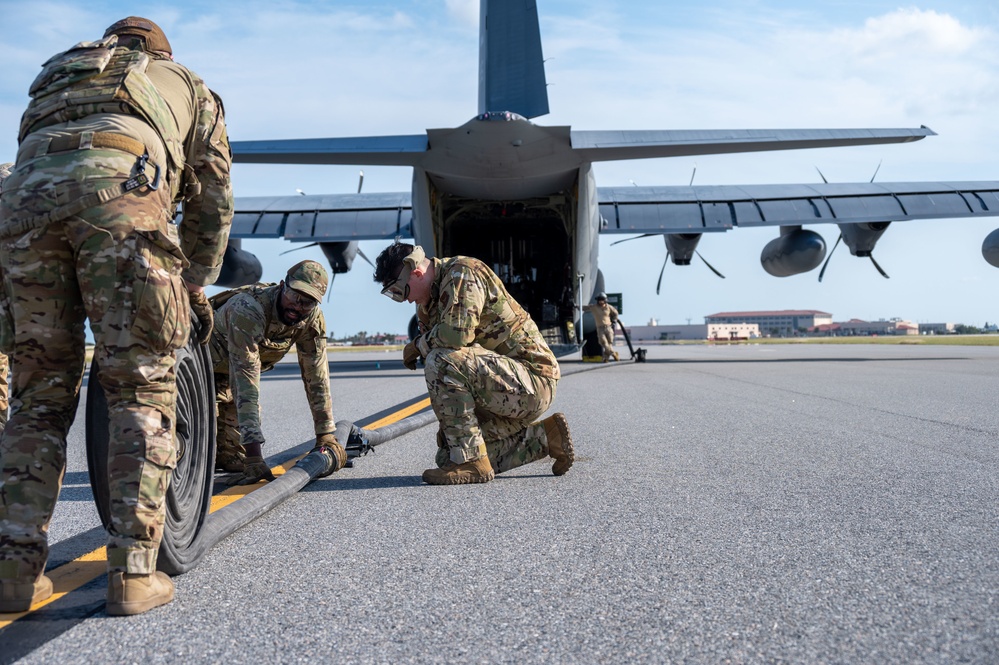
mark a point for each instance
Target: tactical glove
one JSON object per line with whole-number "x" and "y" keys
{"x": 329, "y": 442}
{"x": 410, "y": 355}
{"x": 255, "y": 469}
{"x": 203, "y": 311}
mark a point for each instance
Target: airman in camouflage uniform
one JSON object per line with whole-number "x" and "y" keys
{"x": 115, "y": 136}
{"x": 605, "y": 316}
{"x": 4, "y": 360}
{"x": 489, "y": 372}
{"x": 255, "y": 327}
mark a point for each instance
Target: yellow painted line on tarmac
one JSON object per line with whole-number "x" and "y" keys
{"x": 236, "y": 492}
{"x": 73, "y": 575}
{"x": 66, "y": 578}
{"x": 400, "y": 414}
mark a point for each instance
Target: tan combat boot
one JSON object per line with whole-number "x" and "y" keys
{"x": 474, "y": 471}
{"x": 137, "y": 593}
{"x": 559, "y": 443}
{"x": 18, "y": 595}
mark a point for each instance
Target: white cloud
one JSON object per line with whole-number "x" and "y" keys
{"x": 466, "y": 11}
{"x": 912, "y": 30}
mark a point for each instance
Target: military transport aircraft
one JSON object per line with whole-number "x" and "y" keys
{"x": 522, "y": 197}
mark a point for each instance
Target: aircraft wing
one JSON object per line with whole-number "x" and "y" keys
{"x": 602, "y": 146}
{"x": 403, "y": 150}
{"x": 319, "y": 218}
{"x": 705, "y": 208}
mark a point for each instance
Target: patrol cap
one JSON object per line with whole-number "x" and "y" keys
{"x": 136, "y": 26}
{"x": 308, "y": 277}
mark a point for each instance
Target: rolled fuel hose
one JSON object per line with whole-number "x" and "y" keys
{"x": 189, "y": 496}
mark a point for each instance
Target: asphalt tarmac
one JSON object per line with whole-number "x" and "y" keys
{"x": 743, "y": 504}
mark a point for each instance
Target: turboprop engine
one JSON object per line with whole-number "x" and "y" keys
{"x": 860, "y": 239}
{"x": 239, "y": 267}
{"x": 681, "y": 247}
{"x": 341, "y": 255}
{"x": 795, "y": 251}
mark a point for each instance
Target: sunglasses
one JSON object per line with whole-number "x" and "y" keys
{"x": 394, "y": 290}
{"x": 300, "y": 301}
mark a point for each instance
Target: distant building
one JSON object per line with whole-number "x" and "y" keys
{"x": 780, "y": 322}
{"x": 715, "y": 331}
{"x": 937, "y": 328}
{"x": 880, "y": 327}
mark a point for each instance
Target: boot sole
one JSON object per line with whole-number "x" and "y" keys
{"x": 564, "y": 462}
{"x": 462, "y": 480}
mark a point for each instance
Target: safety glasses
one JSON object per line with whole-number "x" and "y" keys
{"x": 300, "y": 301}
{"x": 398, "y": 288}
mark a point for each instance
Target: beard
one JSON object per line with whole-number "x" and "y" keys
{"x": 288, "y": 317}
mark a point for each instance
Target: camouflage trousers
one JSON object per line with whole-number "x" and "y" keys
{"x": 127, "y": 282}
{"x": 488, "y": 404}
{"x": 605, "y": 335}
{"x": 227, "y": 434}
{"x": 4, "y": 389}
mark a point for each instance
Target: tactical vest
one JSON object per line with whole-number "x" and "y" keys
{"x": 101, "y": 77}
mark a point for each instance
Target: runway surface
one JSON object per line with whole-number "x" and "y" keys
{"x": 745, "y": 504}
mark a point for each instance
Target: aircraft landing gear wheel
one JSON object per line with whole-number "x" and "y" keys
{"x": 189, "y": 496}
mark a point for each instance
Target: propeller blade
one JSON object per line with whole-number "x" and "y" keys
{"x": 360, "y": 182}
{"x": 295, "y": 249}
{"x": 876, "y": 175}
{"x": 660, "y": 282}
{"x": 644, "y": 235}
{"x": 363, "y": 256}
{"x": 692, "y": 174}
{"x": 708, "y": 264}
{"x": 824, "y": 265}
{"x": 883, "y": 273}
{"x": 821, "y": 176}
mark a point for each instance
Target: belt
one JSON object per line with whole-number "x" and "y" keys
{"x": 13, "y": 226}
{"x": 86, "y": 140}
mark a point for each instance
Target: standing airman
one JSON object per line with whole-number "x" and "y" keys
{"x": 116, "y": 135}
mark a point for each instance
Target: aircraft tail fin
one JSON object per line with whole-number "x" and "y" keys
{"x": 511, "y": 66}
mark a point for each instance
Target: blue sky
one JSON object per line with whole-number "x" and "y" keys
{"x": 317, "y": 69}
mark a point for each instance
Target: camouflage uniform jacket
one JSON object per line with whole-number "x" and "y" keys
{"x": 469, "y": 305}
{"x": 192, "y": 131}
{"x": 249, "y": 339}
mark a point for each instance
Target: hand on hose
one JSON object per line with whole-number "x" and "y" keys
{"x": 203, "y": 311}
{"x": 255, "y": 469}
{"x": 329, "y": 442}
{"x": 410, "y": 355}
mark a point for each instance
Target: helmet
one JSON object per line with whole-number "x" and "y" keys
{"x": 135, "y": 26}
{"x": 308, "y": 277}
{"x": 601, "y": 296}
